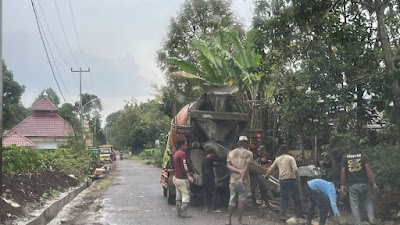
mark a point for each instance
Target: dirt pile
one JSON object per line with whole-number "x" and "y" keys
{"x": 23, "y": 193}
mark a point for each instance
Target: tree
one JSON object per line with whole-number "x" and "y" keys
{"x": 69, "y": 113}
{"x": 227, "y": 60}
{"x": 328, "y": 50}
{"x": 13, "y": 110}
{"x": 91, "y": 108}
{"x": 51, "y": 95}
{"x": 196, "y": 18}
{"x": 138, "y": 125}
{"x": 109, "y": 127}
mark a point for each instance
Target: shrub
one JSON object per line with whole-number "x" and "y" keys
{"x": 147, "y": 153}
{"x": 384, "y": 163}
{"x": 158, "y": 157}
{"x": 18, "y": 160}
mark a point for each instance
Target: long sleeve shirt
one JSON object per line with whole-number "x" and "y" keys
{"x": 326, "y": 188}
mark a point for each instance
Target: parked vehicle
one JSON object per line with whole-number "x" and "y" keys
{"x": 214, "y": 121}
{"x": 105, "y": 151}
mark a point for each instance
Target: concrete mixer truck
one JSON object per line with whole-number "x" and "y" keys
{"x": 215, "y": 121}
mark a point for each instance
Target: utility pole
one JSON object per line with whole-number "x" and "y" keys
{"x": 1, "y": 97}
{"x": 80, "y": 71}
{"x": 95, "y": 127}
{"x": 80, "y": 94}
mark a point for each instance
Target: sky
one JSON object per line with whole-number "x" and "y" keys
{"x": 116, "y": 39}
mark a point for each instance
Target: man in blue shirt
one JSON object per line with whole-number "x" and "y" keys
{"x": 321, "y": 193}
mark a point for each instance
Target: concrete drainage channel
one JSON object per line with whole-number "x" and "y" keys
{"x": 51, "y": 211}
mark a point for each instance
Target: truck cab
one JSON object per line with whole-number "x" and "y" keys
{"x": 105, "y": 151}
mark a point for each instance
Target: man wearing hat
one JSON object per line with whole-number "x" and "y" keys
{"x": 238, "y": 162}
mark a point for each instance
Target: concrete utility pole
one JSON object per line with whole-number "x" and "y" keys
{"x": 80, "y": 94}
{"x": 1, "y": 97}
{"x": 80, "y": 87}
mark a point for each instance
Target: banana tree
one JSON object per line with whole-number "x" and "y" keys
{"x": 213, "y": 61}
{"x": 226, "y": 60}
{"x": 247, "y": 62}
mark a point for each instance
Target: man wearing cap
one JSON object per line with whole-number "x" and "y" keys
{"x": 288, "y": 174}
{"x": 238, "y": 162}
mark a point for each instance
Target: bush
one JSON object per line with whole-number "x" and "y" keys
{"x": 158, "y": 157}
{"x": 147, "y": 153}
{"x": 18, "y": 160}
{"x": 155, "y": 155}
{"x": 340, "y": 143}
{"x": 384, "y": 163}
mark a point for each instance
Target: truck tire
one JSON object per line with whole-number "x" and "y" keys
{"x": 165, "y": 191}
{"x": 170, "y": 196}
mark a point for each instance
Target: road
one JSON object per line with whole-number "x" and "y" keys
{"x": 135, "y": 196}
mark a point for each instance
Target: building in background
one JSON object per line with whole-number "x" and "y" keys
{"x": 44, "y": 129}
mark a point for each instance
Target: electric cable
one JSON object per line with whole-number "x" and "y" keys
{"x": 50, "y": 51}
{"x": 51, "y": 35}
{"x": 65, "y": 35}
{"x": 79, "y": 45}
{"x": 76, "y": 33}
{"x": 54, "y": 61}
{"x": 45, "y": 49}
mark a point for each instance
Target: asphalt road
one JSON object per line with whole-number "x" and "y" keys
{"x": 135, "y": 197}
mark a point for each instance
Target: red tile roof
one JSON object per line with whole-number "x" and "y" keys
{"x": 14, "y": 138}
{"x": 44, "y": 104}
{"x": 43, "y": 124}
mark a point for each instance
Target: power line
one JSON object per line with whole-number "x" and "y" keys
{"x": 76, "y": 33}
{"x": 51, "y": 53}
{"x": 52, "y": 57}
{"x": 65, "y": 35}
{"x": 52, "y": 37}
{"x": 45, "y": 49}
{"x": 79, "y": 44}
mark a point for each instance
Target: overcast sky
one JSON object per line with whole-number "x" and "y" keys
{"x": 118, "y": 41}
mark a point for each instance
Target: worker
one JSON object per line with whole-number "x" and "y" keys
{"x": 320, "y": 193}
{"x": 288, "y": 175}
{"x": 356, "y": 173}
{"x": 181, "y": 180}
{"x": 111, "y": 156}
{"x": 238, "y": 162}
{"x": 209, "y": 183}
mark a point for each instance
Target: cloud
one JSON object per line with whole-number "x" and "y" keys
{"x": 114, "y": 104}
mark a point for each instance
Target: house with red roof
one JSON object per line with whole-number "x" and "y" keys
{"x": 44, "y": 129}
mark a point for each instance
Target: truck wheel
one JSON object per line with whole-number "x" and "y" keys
{"x": 165, "y": 191}
{"x": 170, "y": 197}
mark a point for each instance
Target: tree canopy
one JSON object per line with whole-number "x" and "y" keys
{"x": 51, "y": 95}
{"x": 137, "y": 126}
{"x": 13, "y": 110}
{"x": 195, "y": 19}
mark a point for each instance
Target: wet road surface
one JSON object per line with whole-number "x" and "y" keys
{"x": 136, "y": 197}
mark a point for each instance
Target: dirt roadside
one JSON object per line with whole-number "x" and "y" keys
{"x": 24, "y": 193}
